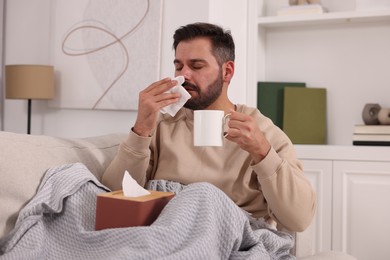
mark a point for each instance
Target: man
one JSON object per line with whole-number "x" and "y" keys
{"x": 256, "y": 167}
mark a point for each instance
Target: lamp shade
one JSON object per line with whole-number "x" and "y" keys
{"x": 29, "y": 81}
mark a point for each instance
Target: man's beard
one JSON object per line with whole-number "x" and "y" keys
{"x": 206, "y": 98}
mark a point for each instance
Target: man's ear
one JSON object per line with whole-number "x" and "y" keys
{"x": 228, "y": 71}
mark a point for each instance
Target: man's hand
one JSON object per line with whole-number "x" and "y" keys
{"x": 150, "y": 101}
{"x": 244, "y": 131}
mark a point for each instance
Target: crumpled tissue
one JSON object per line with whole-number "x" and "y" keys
{"x": 131, "y": 188}
{"x": 184, "y": 96}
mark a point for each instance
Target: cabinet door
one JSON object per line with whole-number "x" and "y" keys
{"x": 362, "y": 209}
{"x": 317, "y": 237}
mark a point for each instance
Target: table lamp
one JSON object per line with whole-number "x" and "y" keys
{"x": 29, "y": 82}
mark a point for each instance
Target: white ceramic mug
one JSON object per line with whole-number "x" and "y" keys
{"x": 209, "y": 127}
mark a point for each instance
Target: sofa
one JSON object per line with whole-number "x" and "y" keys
{"x": 25, "y": 158}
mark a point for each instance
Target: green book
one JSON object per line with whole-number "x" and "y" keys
{"x": 304, "y": 118}
{"x": 270, "y": 99}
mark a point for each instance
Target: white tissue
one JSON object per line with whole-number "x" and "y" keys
{"x": 131, "y": 188}
{"x": 184, "y": 96}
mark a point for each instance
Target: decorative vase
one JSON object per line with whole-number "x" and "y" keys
{"x": 370, "y": 114}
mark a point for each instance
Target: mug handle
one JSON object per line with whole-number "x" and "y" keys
{"x": 224, "y": 121}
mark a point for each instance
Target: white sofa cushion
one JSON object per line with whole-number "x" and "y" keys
{"x": 25, "y": 158}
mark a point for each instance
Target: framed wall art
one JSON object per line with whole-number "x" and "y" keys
{"x": 104, "y": 52}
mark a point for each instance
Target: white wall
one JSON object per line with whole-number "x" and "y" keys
{"x": 28, "y": 41}
{"x": 350, "y": 60}
{"x": 1, "y": 62}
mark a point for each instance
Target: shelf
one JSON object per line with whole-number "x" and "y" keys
{"x": 325, "y": 18}
{"x": 345, "y": 153}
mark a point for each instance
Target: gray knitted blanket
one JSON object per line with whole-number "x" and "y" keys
{"x": 200, "y": 222}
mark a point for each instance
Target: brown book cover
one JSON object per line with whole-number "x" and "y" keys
{"x": 114, "y": 210}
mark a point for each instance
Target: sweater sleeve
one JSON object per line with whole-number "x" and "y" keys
{"x": 290, "y": 196}
{"x": 134, "y": 156}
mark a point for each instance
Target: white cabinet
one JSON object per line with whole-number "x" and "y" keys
{"x": 362, "y": 209}
{"x": 353, "y": 189}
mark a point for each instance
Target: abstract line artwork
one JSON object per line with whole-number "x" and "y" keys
{"x": 105, "y": 52}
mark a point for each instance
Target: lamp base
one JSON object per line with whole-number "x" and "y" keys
{"x": 29, "y": 116}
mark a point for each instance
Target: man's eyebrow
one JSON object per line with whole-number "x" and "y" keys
{"x": 175, "y": 61}
{"x": 198, "y": 60}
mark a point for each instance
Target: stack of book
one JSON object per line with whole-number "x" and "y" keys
{"x": 378, "y": 135}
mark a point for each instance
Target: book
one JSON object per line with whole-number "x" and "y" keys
{"x": 301, "y": 9}
{"x": 304, "y": 119}
{"x": 371, "y": 137}
{"x": 270, "y": 99}
{"x": 372, "y": 143}
{"x": 372, "y": 129}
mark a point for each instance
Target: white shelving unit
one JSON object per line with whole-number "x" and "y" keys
{"x": 344, "y": 71}
{"x": 325, "y": 18}
{"x": 338, "y": 172}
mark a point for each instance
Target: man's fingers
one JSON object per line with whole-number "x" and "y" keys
{"x": 239, "y": 116}
{"x": 160, "y": 86}
{"x": 167, "y": 102}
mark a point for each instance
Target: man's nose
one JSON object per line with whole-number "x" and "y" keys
{"x": 186, "y": 73}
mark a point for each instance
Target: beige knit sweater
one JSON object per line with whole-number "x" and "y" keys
{"x": 276, "y": 187}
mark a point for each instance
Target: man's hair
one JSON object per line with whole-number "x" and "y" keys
{"x": 222, "y": 42}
